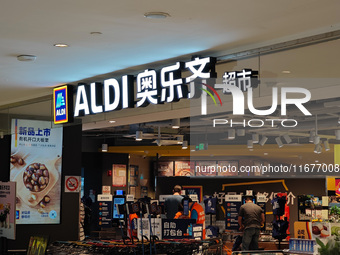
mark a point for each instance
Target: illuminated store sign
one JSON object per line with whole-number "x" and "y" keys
{"x": 62, "y": 104}
{"x": 153, "y": 87}
{"x": 167, "y": 85}
{"x": 244, "y": 80}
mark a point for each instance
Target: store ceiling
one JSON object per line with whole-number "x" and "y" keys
{"x": 297, "y": 154}
{"x": 199, "y": 130}
{"x": 128, "y": 42}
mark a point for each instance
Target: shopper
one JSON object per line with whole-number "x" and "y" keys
{"x": 197, "y": 213}
{"x": 250, "y": 220}
{"x": 172, "y": 202}
{"x": 180, "y": 213}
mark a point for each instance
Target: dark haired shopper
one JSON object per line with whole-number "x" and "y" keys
{"x": 250, "y": 219}
{"x": 172, "y": 202}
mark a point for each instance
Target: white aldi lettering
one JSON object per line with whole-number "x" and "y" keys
{"x": 82, "y": 104}
{"x": 111, "y": 84}
{"x": 164, "y": 86}
{"x": 98, "y": 97}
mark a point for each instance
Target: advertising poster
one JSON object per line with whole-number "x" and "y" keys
{"x": 205, "y": 168}
{"x": 227, "y": 168}
{"x": 184, "y": 168}
{"x": 320, "y": 230}
{"x": 165, "y": 168}
{"x": 7, "y": 209}
{"x": 133, "y": 175}
{"x": 337, "y": 186}
{"x": 118, "y": 175}
{"x": 36, "y": 156}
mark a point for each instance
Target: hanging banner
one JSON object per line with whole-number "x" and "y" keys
{"x": 7, "y": 209}
{"x": 36, "y": 157}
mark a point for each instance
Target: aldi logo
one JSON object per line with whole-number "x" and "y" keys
{"x": 61, "y": 104}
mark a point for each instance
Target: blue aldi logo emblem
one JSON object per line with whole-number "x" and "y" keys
{"x": 60, "y": 105}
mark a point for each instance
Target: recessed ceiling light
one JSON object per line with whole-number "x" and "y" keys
{"x": 156, "y": 15}
{"x": 61, "y": 45}
{"x": 112, "y": 121}
{"x": 286, "y": 71}
{"x": 266, "y": 153}
{"x": 316, "y": 161}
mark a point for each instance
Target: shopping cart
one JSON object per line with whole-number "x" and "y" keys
{"x": 269, "y": 252}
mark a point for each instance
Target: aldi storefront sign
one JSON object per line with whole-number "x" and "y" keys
{"x": 167, "y": 85}
{"x": 152, "y": 87}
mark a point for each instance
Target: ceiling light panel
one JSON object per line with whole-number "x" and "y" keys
{"x": 61, "y": 45}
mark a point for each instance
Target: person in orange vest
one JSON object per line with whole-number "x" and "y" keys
{"x": 132, "y": 225}
{"x": 180, "y": 213}
{"x": 196, "y": 212}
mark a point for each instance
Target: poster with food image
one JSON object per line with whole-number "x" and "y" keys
{"x": 35, "y": 166}
{"x": 335, "y": 229}
{"x": 165, "y": 168}
{"x": 184, "y": 168}
{"x": 118, "y": 175}
{"x": 227, "y": 168}
{"x": 321, "y": 230}
{"x": 206, "y": 168}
